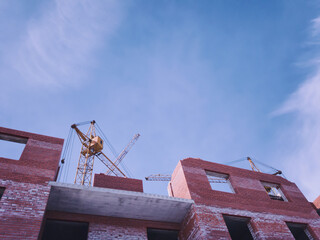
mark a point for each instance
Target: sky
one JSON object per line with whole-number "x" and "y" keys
{"x": 217, "y": 80}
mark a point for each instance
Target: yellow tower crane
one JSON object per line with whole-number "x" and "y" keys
{"x": 91, "y": 148}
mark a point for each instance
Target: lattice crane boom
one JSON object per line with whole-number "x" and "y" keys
{"x": 124, "y": 152}
{"x": 109, "y": 164}
{"x": 167, "y": 178}
{"x": 253, "y": 166}
{"x": 159, "y": 177}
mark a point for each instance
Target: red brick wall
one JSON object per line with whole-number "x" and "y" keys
{"x": 23, "y": 203}
{"x": 112, "y": 228}
{"x": 178, "y": 185}
{"x": 106, "y": 181}
{"x": 203, "y": 225}
{"x": 250, "y": 200}
{"x": 249, "y": 192}
{"x": 203, "y": 222}
{"x": 317, "y": 202}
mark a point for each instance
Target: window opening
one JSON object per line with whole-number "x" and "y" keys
{"x": 238, "y": 227}
{"x": 65, "y": 230}
{"x": 160, "y": 234}
{"x": 274, "y": 191}
{"x": 219, "y": 182}
{"x": 11, "y": 146}
{"x": 1, "y": 191}
{"x": 299, "y": 231}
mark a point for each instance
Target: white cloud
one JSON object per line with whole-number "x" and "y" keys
{"x": 303, "y": 163}
{"x": 59, "y": 45}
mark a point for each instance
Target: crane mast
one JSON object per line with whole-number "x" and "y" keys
{"x": 86, "y": 159}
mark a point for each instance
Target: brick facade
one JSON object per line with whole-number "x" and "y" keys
{"x": 23, "y": 204}
{"x": 267, "y": 217}
{"x": 24, "y": 201}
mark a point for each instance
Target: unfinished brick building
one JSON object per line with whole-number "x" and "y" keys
{"x": 252, "y": 205}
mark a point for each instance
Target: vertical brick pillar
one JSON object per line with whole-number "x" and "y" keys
{"x": 203, "y": 225}
{"x": 24, "y": 201}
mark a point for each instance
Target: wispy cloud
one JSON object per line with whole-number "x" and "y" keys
{"x": 304, "y": 159}
{"x": 59, "y": 45}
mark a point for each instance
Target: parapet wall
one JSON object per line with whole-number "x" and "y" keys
{"x": 106, "y": 181}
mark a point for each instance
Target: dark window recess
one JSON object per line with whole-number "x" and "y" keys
{"x": 161, "y": 234}
{"x": 299, "y": 231}
{"x": 238, "y": 227}
{"x": 65, "y": 230}
{"x": 1, "y": 191}
{"x": 318, "y": 211}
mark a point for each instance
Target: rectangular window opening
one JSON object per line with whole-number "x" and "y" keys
{"x": 219, "y": 182}
{"x": 65, "y": 230}
{"x": 299, "y": 231}
{"x": 158, "y": 234}
{"x": 238, "y": 227}
{"x": 2, "y": 191}
{"x": 11, "y": 147}
{"x": 274, "y": 191}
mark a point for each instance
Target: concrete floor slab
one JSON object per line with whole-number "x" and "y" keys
{"x": 116, "y": 203}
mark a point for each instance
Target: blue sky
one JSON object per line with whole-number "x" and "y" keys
{"x": 217, "y": 80}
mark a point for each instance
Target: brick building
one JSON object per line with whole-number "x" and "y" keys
{"x": 235, "y": 203}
